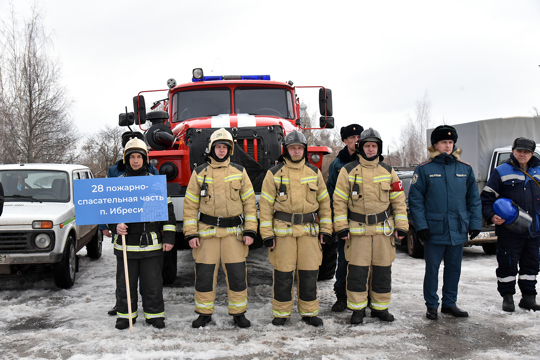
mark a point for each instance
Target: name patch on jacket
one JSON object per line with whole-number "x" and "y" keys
{"x": 435, "y": 175}
{"x": 461, "y": 175}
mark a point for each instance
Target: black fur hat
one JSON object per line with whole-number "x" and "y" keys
{"x": 350, "y": 130}
{"x": 443, "y": 132}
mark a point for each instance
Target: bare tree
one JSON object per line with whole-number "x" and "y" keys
{"x": 413, "y": 141}
{"x": 101, "y": 150}
{"x": 33, "y": 105}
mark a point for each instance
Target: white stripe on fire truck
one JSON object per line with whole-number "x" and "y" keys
{"x": 220, "y": 121}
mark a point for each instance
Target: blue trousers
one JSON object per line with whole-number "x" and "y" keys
{"x": 341, "y": 271}
{"x": 512, "y": 252}
{"x": 434, "y": 254}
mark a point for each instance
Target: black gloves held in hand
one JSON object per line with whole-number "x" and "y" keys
{"x": 473, "y": 234}
{"x": 401, "y": 232}
{"x": 424, "y": 234}
{"x": 268, "y": 242}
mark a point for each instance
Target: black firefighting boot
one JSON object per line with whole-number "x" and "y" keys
{"x": 158, "y": 323}
{"x": 358, "y": 316}
{"x": 508, "y": 303}
{"x": 241, "y": 321}
{"x": 201, "y": 321}
{"x": 528, "y": 302}
{"x": 112, "y": 312}
{"x": 384, "y": 315}
{"x": 277, "y": 321}
{"x": 122, "y": 323}
{"x": 431, "y": 313}
{"x": 341, "y": 304}
{"x": 312, "y": 320}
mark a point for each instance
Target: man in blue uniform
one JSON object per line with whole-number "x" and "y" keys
{"x": 518, "y": 181}
{"x": 445, "y": 207}
{"x": 350, "y": 135}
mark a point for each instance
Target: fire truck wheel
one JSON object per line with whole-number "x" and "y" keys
{"x": 327, "y": 270}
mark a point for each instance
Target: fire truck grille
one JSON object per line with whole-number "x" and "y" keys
{"x": 251, "y": 148}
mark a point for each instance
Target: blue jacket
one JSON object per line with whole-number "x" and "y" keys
{"x": 444, "y": 199}
{"x": 507, "y": 181}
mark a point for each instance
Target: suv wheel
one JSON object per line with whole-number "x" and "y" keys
{"x": 414, "y": 246}
{"x": 64, "y": 271}
{"x": 95, "y": 246}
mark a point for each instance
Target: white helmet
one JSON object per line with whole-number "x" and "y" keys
{"x": 135, "y": 145}
{"x": 221, "y": 136}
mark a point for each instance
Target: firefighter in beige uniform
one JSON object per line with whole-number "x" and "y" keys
{"x": 369, "y": 209}
{"x": 295, "y": 215}
{"x": 223, "y": 195}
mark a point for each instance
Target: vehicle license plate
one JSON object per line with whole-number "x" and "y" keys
{"x": 4, "y": 258}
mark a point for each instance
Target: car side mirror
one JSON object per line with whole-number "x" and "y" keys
{"x": 139, "y": 108}
{"x": 325, "y": 102}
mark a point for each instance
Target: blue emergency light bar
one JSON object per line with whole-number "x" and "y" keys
{"x": 232, "y": 77}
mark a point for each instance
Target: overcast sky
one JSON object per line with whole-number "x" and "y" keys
{"x": 475, "y": 60}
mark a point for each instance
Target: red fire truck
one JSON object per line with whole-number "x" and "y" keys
{"x": 257, "y": 111}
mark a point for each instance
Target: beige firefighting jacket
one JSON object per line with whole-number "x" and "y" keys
{"x": 378, "y": 187}
{"x": 229, "y": 194}
{"x": 305, "y": 193}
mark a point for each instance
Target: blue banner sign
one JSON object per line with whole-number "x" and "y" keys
{"x": 120, "y": 200}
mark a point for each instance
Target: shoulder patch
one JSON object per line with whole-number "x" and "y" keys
{"x": 350, "y": 166}
{"x": 386, "y": 166}
{"x": 200, "y": 168}
{"x": 276, "y": 168}
{"x": 463, "y": 162}
{"x": 312, "y": 167}
{"x": 425, "y": 162}
{"x": 414, "y": 178}
{"x": 237, "y": 166}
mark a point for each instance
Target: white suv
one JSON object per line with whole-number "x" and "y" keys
{"x": 38, "y": 224}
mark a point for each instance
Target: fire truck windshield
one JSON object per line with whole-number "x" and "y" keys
{"x": 257, "y": 101}
{"x": 201, "y": 103}
{"x": 191, "y": 104}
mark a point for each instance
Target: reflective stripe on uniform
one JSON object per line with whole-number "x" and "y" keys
{"x": 527, "y": 277}
{"x": 281, "y": 180}
{"x": 209, "y": 305}
{"x": 358, "y": 179}
{"x": 357, "y": 231}
{"x": 323, "y": 195}
{"x": 207, "y": 232}
{"x": 341, "y": 194}
{"x": 247, "y": 194}
{"x": 381, "y": 178}
{"x": 513, "y": 177}
{"x": 340, "y": 218}
{"x": 233, "y": 177}
{"x": 395, "y": 194}
{"x": 169, "y": 228}
{"x": 190, "y": 222}
{"x": 400, "y": 217}
{"x": 281, "y": 313}
{"x": 313, "y": 313}
{"x": 380, "y": 306}
{"x": 267, "y": 197}
{"x": 126, "y": 316}
{"x": 506, "y": 279}
{"x": 207, "y": 179}
{"x": 356, "y": 306}
{"x": 266, "y": 223}
{"x": 192, "y": 197}
{"x": 489, "y": 189}
{"x": 308, "y": 179}
{"x": 250, "y": 218}
{"x": 153, "y": 316}
{"x": 238, "y": 304}
{"x": 136, "y": 248}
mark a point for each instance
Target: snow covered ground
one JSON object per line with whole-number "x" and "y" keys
{"x": 39, "y": 321}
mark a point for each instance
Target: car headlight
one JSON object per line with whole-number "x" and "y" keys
{"x": 42, "y": 241}
{"x": 154, "y": 162}
{"x": 315, "y": 158}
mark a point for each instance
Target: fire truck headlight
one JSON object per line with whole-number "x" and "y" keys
{"x": 170, "y": 170}
{"x": 154, "y": 162}
{"x": 198, "y": 73}
{"x": 315, "y": 158}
